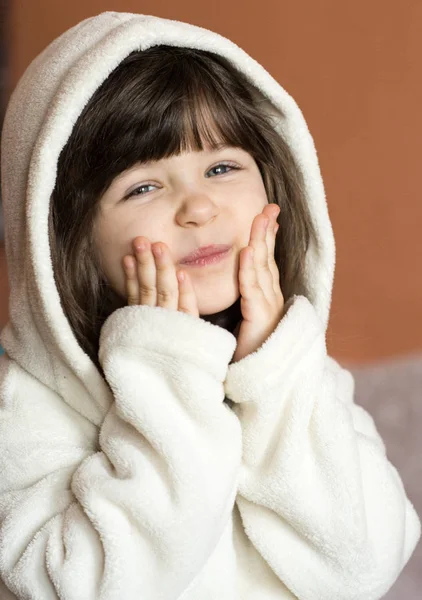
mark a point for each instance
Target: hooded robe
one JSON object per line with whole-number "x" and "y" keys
{"x": 148, "y": 486}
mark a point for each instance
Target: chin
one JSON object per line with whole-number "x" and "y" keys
{"x": 209, "y": 307}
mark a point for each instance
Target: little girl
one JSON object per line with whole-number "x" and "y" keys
{"x": 171, "y": 426}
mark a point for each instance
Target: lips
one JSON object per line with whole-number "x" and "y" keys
{"x": 203, "y": 252}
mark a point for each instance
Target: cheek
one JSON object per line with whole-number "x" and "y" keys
{"x": 261, "y": 193}
{"x": 110, "y": 261}
{"x": 254, "y": 198}
{"x": 111, "y": 248}
{"x": 114, "y": 235}
{"x": 252, "y": 204}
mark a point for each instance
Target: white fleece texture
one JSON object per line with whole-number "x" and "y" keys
{"x": 148, "y": 486}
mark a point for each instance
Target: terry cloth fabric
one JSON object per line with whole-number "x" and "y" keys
{"x": 148, "y": 485}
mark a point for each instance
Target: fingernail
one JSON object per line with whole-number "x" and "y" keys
{"x": 128, "y": 263}
{"x": 140, "y": 246}
{"x": 157, "y": 250}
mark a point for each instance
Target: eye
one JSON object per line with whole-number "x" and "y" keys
{"x": 135, "y": 191}
{"x": 229, "y": 166}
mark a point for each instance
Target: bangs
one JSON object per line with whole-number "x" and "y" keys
{"x": 201, "y": 119}
{"x": 194, "y": 123}
{"x": 174, "y": 106}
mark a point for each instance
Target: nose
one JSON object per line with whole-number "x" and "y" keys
{"x": 196, "y": 209}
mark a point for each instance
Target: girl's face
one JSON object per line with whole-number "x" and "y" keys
{"x": 187, "y": 201}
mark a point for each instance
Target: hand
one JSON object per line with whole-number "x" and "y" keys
{"x": 152, "y": 280}
{"x": 262, "y": 302}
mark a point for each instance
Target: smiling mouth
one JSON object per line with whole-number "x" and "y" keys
{"x": 211, "y": 259}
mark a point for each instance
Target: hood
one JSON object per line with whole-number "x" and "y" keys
{"x": 39, "y": 119}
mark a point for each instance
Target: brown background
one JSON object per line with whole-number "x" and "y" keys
{"x": 354, "y": 69}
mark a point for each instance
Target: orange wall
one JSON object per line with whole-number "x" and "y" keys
{"x": 354, "y": 69}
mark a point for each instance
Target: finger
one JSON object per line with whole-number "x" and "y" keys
{"x": 272, "y": 265}
{"x": 272, "y": 211}
{"x": 259, "y": 234}
{"x": 131, "y": 280}
{"x": 249, "y": 287}
{"x": 187, "y": 296}
{"x": 167, "y": 284}
{"x": 146, "y": 272}
{"x": 270, "y": 239}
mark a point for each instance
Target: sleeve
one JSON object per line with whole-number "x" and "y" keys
{"x": 318, "y": 498}
{"x": 138, "y": 514}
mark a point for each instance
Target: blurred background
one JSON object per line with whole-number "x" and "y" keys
{"x": 354, "y": 69}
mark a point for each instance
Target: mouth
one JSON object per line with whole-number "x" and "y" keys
{"x": 207, "y": 255}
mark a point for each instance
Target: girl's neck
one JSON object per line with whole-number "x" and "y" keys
{"x": 227, "y": 318}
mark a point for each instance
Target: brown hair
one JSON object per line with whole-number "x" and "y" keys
{"x": 156, "y": 104}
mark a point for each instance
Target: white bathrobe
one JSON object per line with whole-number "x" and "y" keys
{"x": 152, "y": 487}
